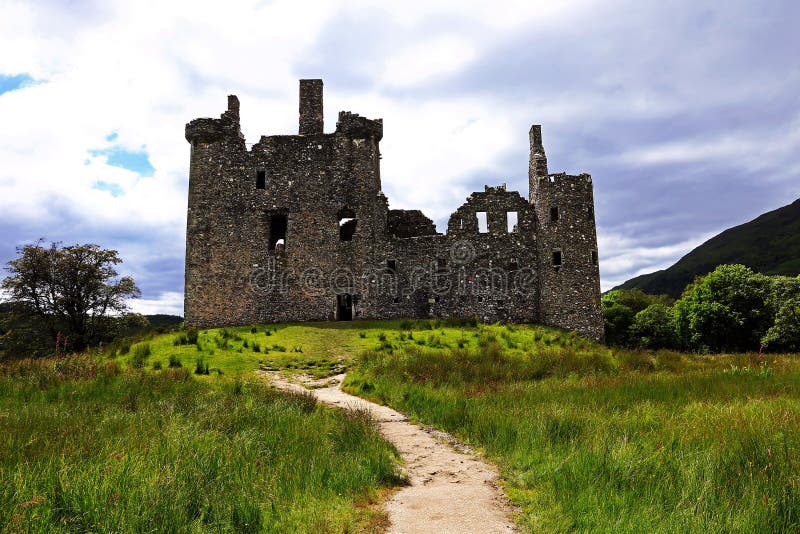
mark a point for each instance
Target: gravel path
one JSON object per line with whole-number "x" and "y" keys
{"x": 451, "y": 490}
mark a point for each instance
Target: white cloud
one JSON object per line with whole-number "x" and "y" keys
{"x": 170, "y": 303}
{"x": 428, "y": 61}
{"x": 622, "y": 257}
{"x": 144, "y": 69}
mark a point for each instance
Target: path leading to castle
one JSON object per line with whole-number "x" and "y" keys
{"x": 451, "y": 490}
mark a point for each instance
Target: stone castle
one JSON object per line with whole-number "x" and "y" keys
{"x": 297, "y": 229}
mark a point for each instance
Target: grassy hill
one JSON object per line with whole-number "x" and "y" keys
{"x": 587, "y": 438}
{"x": 769, "y": 244}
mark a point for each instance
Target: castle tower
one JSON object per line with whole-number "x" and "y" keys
{"x": 567, "y": 240}
{"x": 208, "y": 214}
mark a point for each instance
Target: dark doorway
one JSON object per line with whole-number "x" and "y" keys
{"x": 344, "y": 307}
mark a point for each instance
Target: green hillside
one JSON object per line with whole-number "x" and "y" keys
{"x": 769, "y": 244}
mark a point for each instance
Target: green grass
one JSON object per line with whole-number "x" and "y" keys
{"x": 591, "y": 440}
{"x": 318, "y": 349}
{"x": 587, "y": 438}
{"x": 86, "y": 446}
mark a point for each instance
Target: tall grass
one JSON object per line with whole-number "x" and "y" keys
{"x": 86, "y": 446}
{"x": 590, "y": 440}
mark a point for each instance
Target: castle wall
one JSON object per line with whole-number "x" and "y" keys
{"x": 344, "y": 253}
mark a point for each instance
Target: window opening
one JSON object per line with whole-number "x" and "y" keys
{"x": 347, "y": 224}
{"x": 554, "y": 215}
{"x": 511, "y": 220}
{"x": 483, "y": 225}
{"x": 261, "y": 180}
{"x": 556, "y": 258}
{"x": 277, "y": 232}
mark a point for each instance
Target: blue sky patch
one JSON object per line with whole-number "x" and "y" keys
{"x": 114, "y": 189}
{"x": 133, "y": 160}
{"x": 13, "y": 82}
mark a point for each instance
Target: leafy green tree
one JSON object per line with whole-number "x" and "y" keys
{"x": 21, "y": 334}
{"x": 728, "y": 309}
{"x": 73, "y": 292}
{"x": 784, "y": 335}
{"x": 620, "y": 306}
{"x": 654, "y": 327}
{"x": 617, "y": 319}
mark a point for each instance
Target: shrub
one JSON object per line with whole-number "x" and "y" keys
{"x": 174, "y": 362}
{"x": 157, "y": 365}
{"x": 192, "y": 336}
{"x": 406, "y": 324}
{"x": 256, "y": 347}
{"x": 201, "y": 367}
{"x": 141, "y": 352}
{"x": 362, "y": 335}
{"x": 637, "y": 360}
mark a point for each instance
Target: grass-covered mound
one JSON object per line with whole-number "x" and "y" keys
{"x": 590, "y": 439}
{"x": 320, "y": 349}
{"x": 86, "y": 446}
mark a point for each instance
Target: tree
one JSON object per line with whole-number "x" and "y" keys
{"x": 72, "y": 291}
{"x": 784, "y": 335}
{"x": 620, "y": 306}
{"x": 617, "y": 318}
{"x": 654, "y": 327}
{"x": 728, "y": 309}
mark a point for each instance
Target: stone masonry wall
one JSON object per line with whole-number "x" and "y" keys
{"x": 297, "y": 228}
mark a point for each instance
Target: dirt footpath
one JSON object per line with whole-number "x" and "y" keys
{"x": 451, "y": 491}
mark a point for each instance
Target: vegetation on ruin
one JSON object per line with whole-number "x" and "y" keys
{"x": 88, "y": 446}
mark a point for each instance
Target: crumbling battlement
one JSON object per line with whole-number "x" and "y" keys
{"x": 297, "y": 228}
{"x": 353, "y": 125}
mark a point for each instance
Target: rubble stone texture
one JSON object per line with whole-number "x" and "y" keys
{"x": 297, "y": 229}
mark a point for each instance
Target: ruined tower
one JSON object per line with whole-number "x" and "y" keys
{"x": 567, "y": 240}
{"x": 296, "y": 228}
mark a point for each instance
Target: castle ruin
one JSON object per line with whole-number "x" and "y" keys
{"x": 297, "y": 229}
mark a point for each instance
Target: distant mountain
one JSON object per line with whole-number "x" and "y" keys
{"x": 769, "y": 244}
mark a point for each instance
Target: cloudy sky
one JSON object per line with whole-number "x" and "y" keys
{"x": 686, "y": 113}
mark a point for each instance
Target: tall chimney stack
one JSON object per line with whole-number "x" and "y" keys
{"x": 311, "y": 119}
